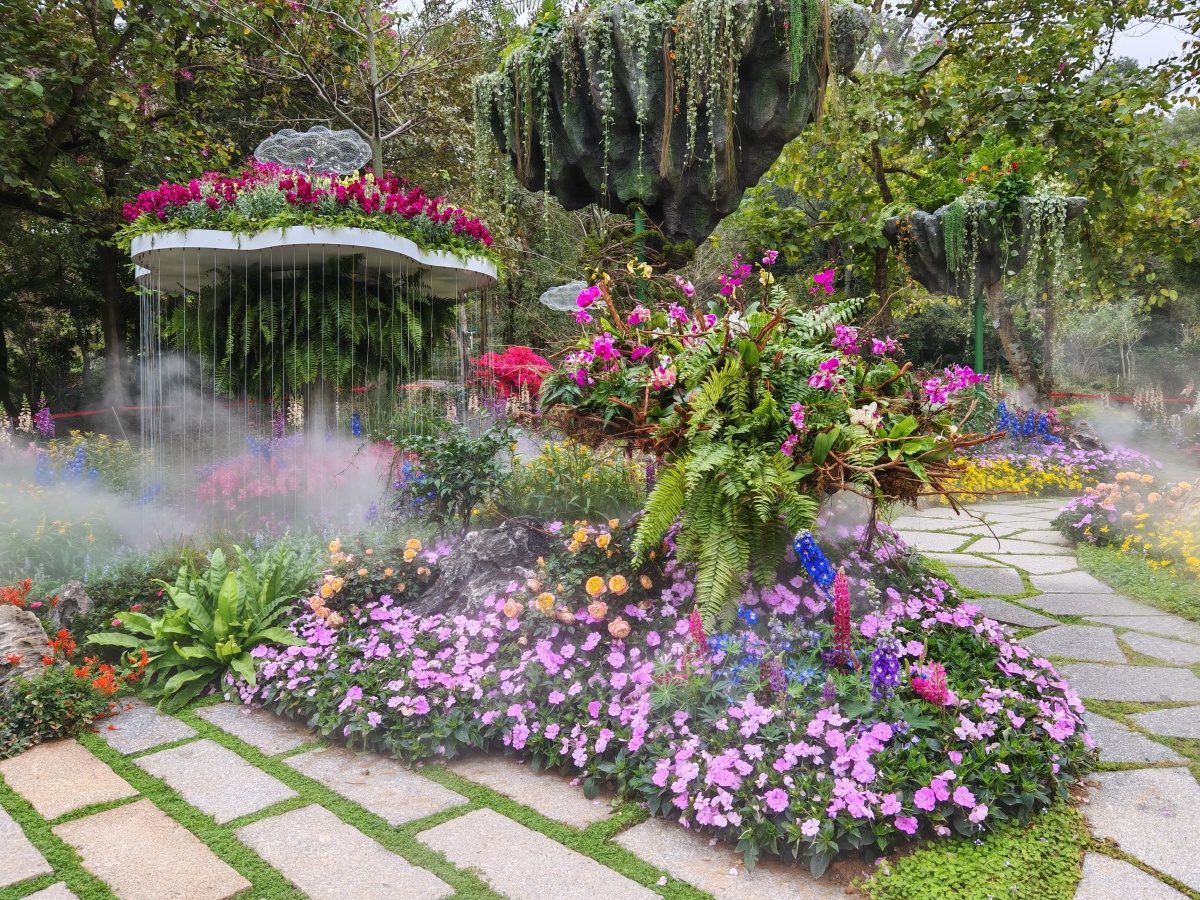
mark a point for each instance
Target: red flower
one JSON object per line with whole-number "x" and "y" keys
{"x": 13, "y": 658}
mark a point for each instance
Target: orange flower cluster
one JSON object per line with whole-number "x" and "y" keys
{"x": 15, "y": 596}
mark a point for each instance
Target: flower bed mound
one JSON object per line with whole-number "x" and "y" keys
{"x": 935, "y": 723}
{"x": 1039, "y": 470}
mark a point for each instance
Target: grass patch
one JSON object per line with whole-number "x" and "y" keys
{"x": 1041, "y": 861}
{"x": 1133, "y": 577}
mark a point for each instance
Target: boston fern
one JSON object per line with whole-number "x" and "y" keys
{"x": 759, "y": 408}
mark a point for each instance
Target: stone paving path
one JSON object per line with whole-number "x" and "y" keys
{"x": 1114, "y": 650}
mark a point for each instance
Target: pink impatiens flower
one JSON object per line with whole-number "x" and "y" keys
{"x": 776, "y": 800}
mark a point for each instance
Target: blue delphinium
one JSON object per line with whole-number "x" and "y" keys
{"x": 885, "y": 666}
{"x": 42, "y": 473}
{"x": 813, "y": 560}
{"x": 356, "y": 428}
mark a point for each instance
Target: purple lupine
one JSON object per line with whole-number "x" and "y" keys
{"x": 885, "y": 666}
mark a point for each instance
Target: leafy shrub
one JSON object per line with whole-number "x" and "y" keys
{"x": 52, "y": 531}
{"x": 569, "y": 480}
{"x": 115, "y": 464}
{"x": 219, "y": 617}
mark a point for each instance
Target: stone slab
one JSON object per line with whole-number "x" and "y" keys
{"x": 330, "y": 860}
{"x": 1105, "y": 878}
{"x": 921, "y": 523}
{"x": 144, "y": 727}
{"x": 1017, "y": 507}
{"x": 548, "y": 793}
{"x": 1045, "y": 536}
{"x": 524, "y": 865}
{"x": 1010, "y": 613}
{"x": 380, "y": 785}
{"x": 216, "y": 780}
{"x": 1007, "y": 546}
{"x": 1178, "y": 652}
{"x": 1172, "y": 626}
{"x": 58, "y": 891}
{"x": 1070, "y": 583}
{"x": 1118, "y": 744}
{"x": 141, "y": 853}
{"x": 966, "y": 560}
{"x": 20, "y": 859}
{"x": 267, "y": 732}
{"x": 1183, "y": 722}
{"x": 61, "y": 777}
{"x": 1088, "y": 605}
{"x": 1137, "y": 684}
{"x": 929, "y": 540}
{"x": 987, "y": 531}
{"x": 1087, "y": 642}
{"x": 989, "y": 581}
{"x": 704, "y": 864}
{"x": 1039, "y": 565}
{"x": 1153, "y": 815}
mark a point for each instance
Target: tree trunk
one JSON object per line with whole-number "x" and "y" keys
{"x": 1023, "y": 369}
{"x": 112, "y": 291}
{"x": 882, "y": 258}
{"x": 6, "y": 399}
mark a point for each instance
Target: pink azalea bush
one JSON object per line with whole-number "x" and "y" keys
{"x": 761, "y": 733}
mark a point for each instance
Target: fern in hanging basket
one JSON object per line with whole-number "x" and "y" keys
{"x": 760, "y": 407}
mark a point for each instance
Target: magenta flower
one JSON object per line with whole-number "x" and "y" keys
{"x": 823, "y": 281}
{"x": 963, "y": 797}
{"x": 769, "y": 257}
{"x": 776, "y": 800}
{"x": 587, "y": 297}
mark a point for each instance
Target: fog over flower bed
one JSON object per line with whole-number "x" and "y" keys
{"x": 766, "y": 733}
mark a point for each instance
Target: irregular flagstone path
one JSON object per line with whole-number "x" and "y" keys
{"x": 1153, "y": 814}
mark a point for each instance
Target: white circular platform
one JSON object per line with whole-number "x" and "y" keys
{"x": 189, "y": 260}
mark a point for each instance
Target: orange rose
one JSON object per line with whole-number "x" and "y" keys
{"x": 618, "y": 585}
{"x": 512, "y": 609}
{"x": 597, "y": 609}
{"x": 613, "y": 523}
{"x": 362, "y": 573}
{"x": 645, "y": 582}
{"x": 594, "y": 586}
{"x": 566, "y": 617}
{"x": 603, "y": 541}
{"x": 618, "y": 628}
{"x": 545, "y": 601}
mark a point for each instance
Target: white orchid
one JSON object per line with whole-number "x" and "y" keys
{"x": 867, "y": 417}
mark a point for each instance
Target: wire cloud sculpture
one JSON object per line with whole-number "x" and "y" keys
{"x": 317, "y": 150}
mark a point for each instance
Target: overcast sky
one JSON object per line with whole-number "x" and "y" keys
{"x": 1150, "y": 42}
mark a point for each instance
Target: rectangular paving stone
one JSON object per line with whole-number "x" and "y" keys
{"x": 19, "y": 859}
{"x": 1045, "y": 536}
{"x": 380, "y": 785}
{"x": 1105, "y": 878}
{"x": 215, "y": 780}
{"x": 269, "y": 733}
{"x": 929, "y": 540}
{"x": 61, "y": 777}
{"x": 1039, "y": 565}
{"x": 1154, "y": 814}
{"x": 1070, "y": 583}
{"x": 1088, "y": 642}
{"x": 1178, "y": 652}
{"x": 144, "y": 727}
{"x": 952, "y": 560}
{"x": 1088, "y": 605}
{"x": 1136, "y": 684}
{"x": 58, "y": 891}
{"x": 330, "y": 860}
{"x": 1118, "y": 744}
{"x": 989, "y": 581}
{"x": 1010, "y": 613}
{"x": 524, "y": 865}
{"x": 1007, "y": 546}
{"x": 988, "y": 531}
{"x": 697, "y": 860}
{"x": 1160, "y": 623}
{"x": 141, "y": 853}
{"x": 548, "y": 793}
{"x": 1183, "y": 722}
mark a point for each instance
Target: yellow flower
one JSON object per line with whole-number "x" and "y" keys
{"x": 618, "y": 585}
{"x": 410, "y": 555}
{"x": 595, "y": 586}
{"x": 613, "y": 523}
{"x": 387, "y": 573}
{"x": 335, "y": 546}
{"x": 327, "y": 590}
{"x": 338, "y": 583}
{"x": 545, "y": 601}
{"x": 413, "y": 544}
{"x": 368, "y": 551}
{"x": 362, "y": 573}
{"x": 603, "y": 541}
{"x": 580, "y": 537}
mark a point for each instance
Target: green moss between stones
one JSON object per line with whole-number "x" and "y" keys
{"x": 1134, "y": 578}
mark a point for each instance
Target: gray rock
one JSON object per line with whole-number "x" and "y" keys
{"x": 548, "y": 793}
{"x": 688, "y": 195}
{"x": 21, "y": 634}
{"x": 1105, "y": 878}
{"x": 1158, "y": 623}
{"x": 706, "y": 864}
{"x": 484, "y": 565}
{"x": 330, "y": 860}
{"x": 269, "y": 733}
{"x": 989, "y": 581}
{"x": 1177, "y": 652}
{"x": 1118, "y": 744}
{"x": 1040, "y": 565}
{"x": 380, "y": 785}
{"x": 20, "y": 859}
{"x": 524, "y": 865}
{"x": 141, "y": 853}
{"x": 144, "y": 727}
{"x": 1088, "y": 642}
{"x": 1011, "y": 614}
{"x": 237, "y": 790}
{"x": 1183, "y": 722}
{"x": 1153, "y": 815}
{"x": 62, "y": 777}
{"x": 1137, "y": 684}
{"x": 1070, "y": 583}
{"x": 58, "y": 891}
{"x": 1088, "y": 605}
{"x": 73, "y": 601}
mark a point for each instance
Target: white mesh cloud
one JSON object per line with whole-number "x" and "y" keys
{"x": 318, "y": 150}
